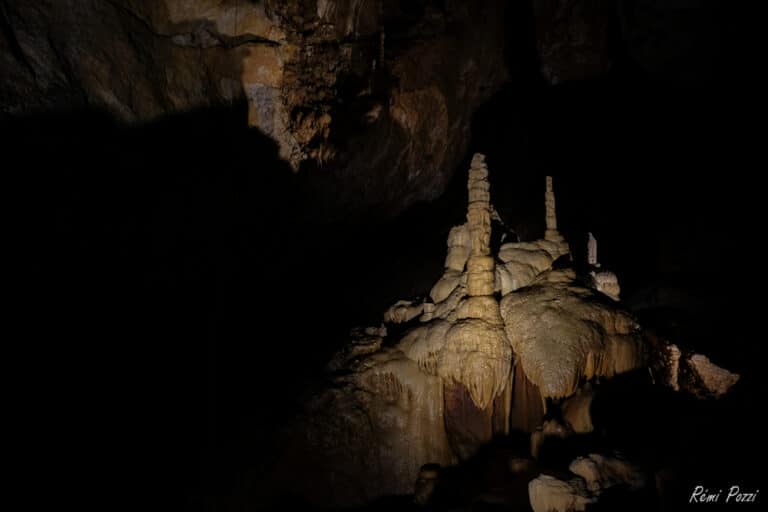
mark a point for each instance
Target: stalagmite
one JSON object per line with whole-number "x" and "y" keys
{"x": 674, "y": 366}
{"x": 552, "y": 233}
{"x": 605, "y": 281}
{"x": 592, "y": 251}
{"x": 475, "y": 362}
{"x": 477, "y": 354}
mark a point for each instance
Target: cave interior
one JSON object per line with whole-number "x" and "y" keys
{"x": 186, "y": 286}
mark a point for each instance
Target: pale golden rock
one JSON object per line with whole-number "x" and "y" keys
{"x": 446, "y": 285}
{"x": 424, "y": 344}
{"x": 716, "y": 380}
{"x": 483, "y": 307}
{"x": 562, "y": 334}
{"x": 477, "y": 355}
{"x": 480, "y": 283}
{"x": 459, "y": 247}
{"x": 403, "y": 311}
{"x": 550, "y": 217}
{"x": 548, "y": 494}
{"x": 607, "y": 283}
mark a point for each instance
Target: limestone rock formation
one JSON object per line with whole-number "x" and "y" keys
{"x": 476, "y": 353}
{"x": 606, "y": 282}
{"x": 468, "y": 367}
{"x": 593, "y": 475}
{"x": 320, "y": 77}
{"x": 563, "y": 334}
{"x": 551, "y": 214}
{"x": 601, "y": 473}
{"x": 685, "y": 370}
{"x": 403, "y": 311}
{"x": 592, "y": 251}
{"x": 549, "y": 494}
{"x": 716, "y": 380}
{"x": 522, "y": 262}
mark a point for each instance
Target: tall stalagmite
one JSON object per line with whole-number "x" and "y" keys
{"x": 552, "y": 233}
{"x": 592, "y": 251}
{"x": 476, "y": 359}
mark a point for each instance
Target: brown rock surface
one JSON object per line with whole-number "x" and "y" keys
{"x": 375, "y": 99}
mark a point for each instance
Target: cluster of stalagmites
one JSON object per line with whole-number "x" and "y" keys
{"x": 470, "y": 367}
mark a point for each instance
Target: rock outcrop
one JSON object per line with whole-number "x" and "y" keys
{"x": 470, "y": 367}
{"x": 563, "y": 334}
{"x": 601, "y": 473}
{"x": 549, "y": 494}
{"x": 378, "y": 94}
{"x": 693, "y": 372}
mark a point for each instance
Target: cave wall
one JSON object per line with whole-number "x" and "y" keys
{"x": 373, "y": 99}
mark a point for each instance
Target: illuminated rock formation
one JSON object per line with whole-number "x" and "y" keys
{"x": 715, "y": 380}
{"x": 476, "y": 353}
{"x": 604, "y": 281}
{"x": 469, "y": 367}
{"x": 601, "y": 473}
{"x": 592, "y": 251}
{"x": 563, "y": 336}
{"x": 550, "y": 216}
{"x": 548, "y": 494}
{"x": 403, "y": 311}
{"x": 607, "y": 283}
{"x": 693, "y": 373}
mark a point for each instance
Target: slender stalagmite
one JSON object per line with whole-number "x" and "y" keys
{"x": 551, "y": 215}
{"x": 480, "y": 265}
{"x": 476, "y": 359}
{"x": 592, "y": 251}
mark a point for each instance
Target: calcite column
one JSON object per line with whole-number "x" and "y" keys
{"x": 552, "y": 234}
